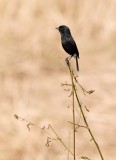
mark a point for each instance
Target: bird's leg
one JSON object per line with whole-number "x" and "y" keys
{"x": 68, "y": 59}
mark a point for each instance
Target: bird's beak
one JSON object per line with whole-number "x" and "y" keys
{"x": 57, "y": 28}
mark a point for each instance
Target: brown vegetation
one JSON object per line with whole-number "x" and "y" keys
{"x": 32, "y": 68}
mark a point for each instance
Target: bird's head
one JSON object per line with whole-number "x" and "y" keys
{"x": 63, "y": 29}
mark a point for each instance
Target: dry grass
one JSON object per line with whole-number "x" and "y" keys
{"x": 32, "y": 68}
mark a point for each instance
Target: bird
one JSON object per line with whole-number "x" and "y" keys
{"x": 68, "y": 43}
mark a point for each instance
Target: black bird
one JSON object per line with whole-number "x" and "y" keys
{"x": 68, "y": 43}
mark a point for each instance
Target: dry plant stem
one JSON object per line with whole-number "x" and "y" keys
{"x": 69, "y": 146}
{"x": 58, "y": 137}
{"x": 49, "y": 126}
{"x": 84, "y": 118}
{"x": 93, "y": 138}
{"x": 73, "y": 105}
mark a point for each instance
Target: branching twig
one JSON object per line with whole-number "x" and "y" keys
{"x": 83, "y": 115}
{"x": 49, "y": 139}
{"x": 58, "y": 137}
{"x": 83, "y": 89}
{"x": 28, "y": 123}
{"x": 74, "y": 95}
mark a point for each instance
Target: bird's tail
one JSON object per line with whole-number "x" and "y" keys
{"x": 77, "y": 64}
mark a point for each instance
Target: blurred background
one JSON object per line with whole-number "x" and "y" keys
{"x": 32, "y": 68}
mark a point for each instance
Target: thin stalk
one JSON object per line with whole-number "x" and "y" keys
{"x": 93, "y": 138}
{"x": 86, "y": 123}
{"x": 73, "y": 105}
{"x": 58, "y": 137}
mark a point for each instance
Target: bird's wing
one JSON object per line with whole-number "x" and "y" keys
{"x": 69, "y": 46}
